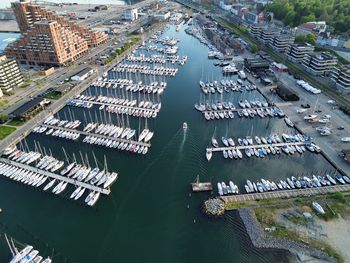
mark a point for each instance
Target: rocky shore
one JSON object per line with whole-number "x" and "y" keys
{"x": 261, "y": 240}
{"x": 214, "y": 207}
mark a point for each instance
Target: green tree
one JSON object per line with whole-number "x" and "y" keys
{"x": 310, "y": 38}
{"x": 4, "y": 117}
{"x": 255, "y": 48}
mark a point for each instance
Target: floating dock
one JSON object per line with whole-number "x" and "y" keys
{"x": 56, "y": 176}
{"x": 201, "y": 187}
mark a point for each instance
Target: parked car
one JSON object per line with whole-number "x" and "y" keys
{"x": 305, "y": 106}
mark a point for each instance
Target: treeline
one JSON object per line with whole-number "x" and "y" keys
{"x": 295, "y": 12}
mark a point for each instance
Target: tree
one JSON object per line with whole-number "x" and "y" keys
{"x": 255, "y": 48}
{"x": 4, "y": 117}
{"x": 310, "y": 38}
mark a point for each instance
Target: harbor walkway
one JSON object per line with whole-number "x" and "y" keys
{"x": 99, "y": 135}
{"x": 243, "y": 147}
{"x": 56, "y": 176}
{"x": 286, "y": 193}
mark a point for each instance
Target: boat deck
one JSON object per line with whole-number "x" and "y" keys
{"x": 56, "y": 176}
{"x": 286, "y": 193}
{"x": 99, "y": 135}
{"x": 243, "y": 147}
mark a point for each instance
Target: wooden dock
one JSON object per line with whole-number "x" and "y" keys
{"x": 116, "y": 82}
{"x": 254, "y": 146}
{"x": 98, "y": 135}
{"x": 56, "y": 176}
{"x": 286, "y": 193}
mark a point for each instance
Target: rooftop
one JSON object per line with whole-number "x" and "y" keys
{"x": 27, "y": 106}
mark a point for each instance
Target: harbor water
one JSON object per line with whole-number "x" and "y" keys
{"x": 151, "y": 214}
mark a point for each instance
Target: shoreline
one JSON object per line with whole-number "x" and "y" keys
{"x": 259, "y": 239}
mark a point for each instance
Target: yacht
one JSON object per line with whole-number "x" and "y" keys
{"x": 209, "y": 154}
{"x": 185, "y": 126}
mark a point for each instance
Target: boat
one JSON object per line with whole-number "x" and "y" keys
{"x": 209, "y": 154}
{"x": 185, "y": 126}
{"x": 345, "y": 139}
{"x": 288, "y": 122}
{"x": 318, "y": 207}
{"x": 310, "y": 117}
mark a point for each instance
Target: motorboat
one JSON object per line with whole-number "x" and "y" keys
{"x": 318, "y": 207}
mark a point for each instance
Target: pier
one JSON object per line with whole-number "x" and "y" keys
{"x": 56, "y": 176}
{"x": 133, "y": 109}
{"x": 99, "y": 135}
{"x": 286, "y": 193}
{"x": 235, "y": 110}
{"x": 254, "y": 146}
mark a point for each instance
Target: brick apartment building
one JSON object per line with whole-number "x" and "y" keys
{"x": 49, "y": 39}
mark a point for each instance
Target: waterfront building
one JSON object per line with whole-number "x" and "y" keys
{"x": 296, "y": 52}
{"x": 341, "y": 77}
{"x": 29, "y": 108}
{"x": 82, "y": 74}
{"x": 10, "y": 75}
{"x": 281, "y": 42}
{"x": 131, "y": 14}
{"x": 256, "y": 64}
{"x": 319, "y": 63}
{"x": 49, "y": 39}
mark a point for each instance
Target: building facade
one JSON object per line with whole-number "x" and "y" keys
{"x": 49, "y": 39}
{"x": 281, "y": 42}
{"x": 10, "y": 75}
{"x": 131, "y": 14}
{"x": 296, "y": 52}
{"x": 319, "y": 63}
{"x": 341, "y": 77}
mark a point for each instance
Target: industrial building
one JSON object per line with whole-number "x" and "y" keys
{"x": 10, "y": 75}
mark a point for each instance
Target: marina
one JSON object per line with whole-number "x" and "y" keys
{"x": 167, "y": 170}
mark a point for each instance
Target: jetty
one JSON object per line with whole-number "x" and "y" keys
{"x": 255, "y": 146}
{"x": 286, "y": 193}
{"x": 56, "y": 176}
{"x": 99, "y": 136}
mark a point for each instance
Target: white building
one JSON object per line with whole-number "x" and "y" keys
{"x": 296, "y": 52}
{"x": 319, "y": 63}
{"x": 341, "y": 77}
{"x": 131, "y": 14}
{"x": 162, "y": 16}
{"x": 83, "y": 74}
{"x": 10, "y": 75}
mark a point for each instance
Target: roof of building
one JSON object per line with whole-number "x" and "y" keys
{"x": 323, "y": 55}
{"x": 83, "y": 72}
{"x": 27, "y": 106}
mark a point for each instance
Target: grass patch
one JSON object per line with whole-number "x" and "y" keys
{"x": 15, "y": 123}
{"x": 3, "y": 102}
{"x": 53, "y": 95}
{"x": 5, "y": 131}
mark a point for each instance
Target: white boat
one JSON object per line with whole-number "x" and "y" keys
{"x": 301, "y": 110}
{"x": 318, "y": 208}
{"x": 288, "y": 122}
{"x": 185, "y": 126}
{"x": 19, "y": 256}
{"x": 209, "y": 154}
{"x": 345, "y": 139}
{"x": 310, "y": 117}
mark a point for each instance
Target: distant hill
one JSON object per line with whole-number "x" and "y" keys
{"x": 295, "y": 12}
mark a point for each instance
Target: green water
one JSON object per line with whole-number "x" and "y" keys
{"x": 151, "y": 215}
